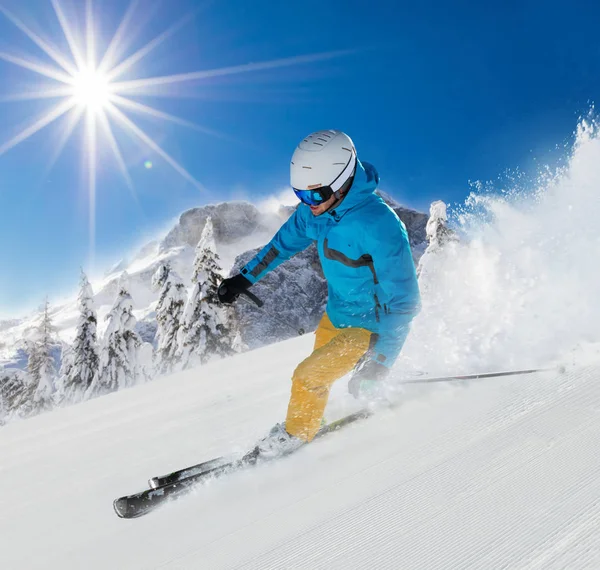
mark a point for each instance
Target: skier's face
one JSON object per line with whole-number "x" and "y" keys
{"x": 321, "y": 208}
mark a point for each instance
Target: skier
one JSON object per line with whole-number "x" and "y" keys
{"x": 372, "y": 286}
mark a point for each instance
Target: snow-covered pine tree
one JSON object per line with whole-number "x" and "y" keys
{"x": 169, "y": 316}
{"x": 40, "y": 365}
{"x": 119, "y": 359}
{"x": 438, "y": 235}
{"x": 146, "y": 361}
{"x": 81, "y": 362}
{"x": 205, "y": 333}
{"x": 16, "y": 394}
{"x": 66, "y": 364}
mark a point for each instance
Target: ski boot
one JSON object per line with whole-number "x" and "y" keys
{"x": 276, "y": 444}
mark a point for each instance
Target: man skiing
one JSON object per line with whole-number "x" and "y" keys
{"x": 372, "y": 286}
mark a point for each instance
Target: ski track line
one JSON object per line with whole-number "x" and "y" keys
{"x": 316, "y": 555}
{"x": 576, "y": 530}
{"x": 522, "y": 414}
{"x": 499, "y": 554}
{"x": 584, "y": 549}
{"x": 552, "y": 420}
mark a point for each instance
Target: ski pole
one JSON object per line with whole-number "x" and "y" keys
{"x": 476, "y": 376}
{"x": 253, "y": 298}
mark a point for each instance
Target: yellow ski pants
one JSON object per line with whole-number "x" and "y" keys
{"x": 336, "y": 352}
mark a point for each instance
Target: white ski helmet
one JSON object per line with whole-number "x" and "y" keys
{"x": 323, "y": 159}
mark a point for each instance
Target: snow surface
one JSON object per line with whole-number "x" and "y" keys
{"x": 498, "y": 473}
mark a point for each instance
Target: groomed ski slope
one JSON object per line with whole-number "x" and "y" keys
{"x": 501, "y": 473}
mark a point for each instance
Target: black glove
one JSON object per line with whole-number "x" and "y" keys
{"x": 231, "y": 288}
{"x": 367, "y": 377}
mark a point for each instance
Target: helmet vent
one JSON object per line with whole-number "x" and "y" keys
{"x": 318, "y": 144}
{"x": 307, "y": 167}
{"x": 324, "y": 140}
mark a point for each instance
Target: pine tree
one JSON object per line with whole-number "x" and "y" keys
{"x": 81, "y": 362}
{"x": 205, "y": 333}
{"x": 40, "y": 365}
{"x": 169, "y": 316}
{"x": 119, "y": 360}
{"x": 66, "y": 365}
{"x": 16, "y": 394}
{"x": 438, "y": 236}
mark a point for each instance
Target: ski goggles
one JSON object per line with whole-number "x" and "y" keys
{"x": 316, "y": 196}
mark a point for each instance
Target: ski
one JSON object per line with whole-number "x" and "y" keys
{"x": 194, "y": 470}
{"x": 138, "y": 504}
{"x": 181, "y": 482}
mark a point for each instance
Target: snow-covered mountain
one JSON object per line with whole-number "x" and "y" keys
{"x": 240, "y": 229}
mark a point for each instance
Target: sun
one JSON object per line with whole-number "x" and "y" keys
{"x": 91, "y": 90}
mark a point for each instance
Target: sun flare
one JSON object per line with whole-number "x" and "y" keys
{"x": 91, "y": 89}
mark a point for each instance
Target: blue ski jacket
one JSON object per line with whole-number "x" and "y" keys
{"x": 366, "y": 259}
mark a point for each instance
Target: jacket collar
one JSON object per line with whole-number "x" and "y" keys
{"x": 365, "y": 183}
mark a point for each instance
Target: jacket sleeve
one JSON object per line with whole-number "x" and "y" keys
{"x": 289, "y": 240}
{"x": 396, "y": 286}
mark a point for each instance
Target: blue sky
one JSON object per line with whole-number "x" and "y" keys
{"x": 435, "y": 94}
